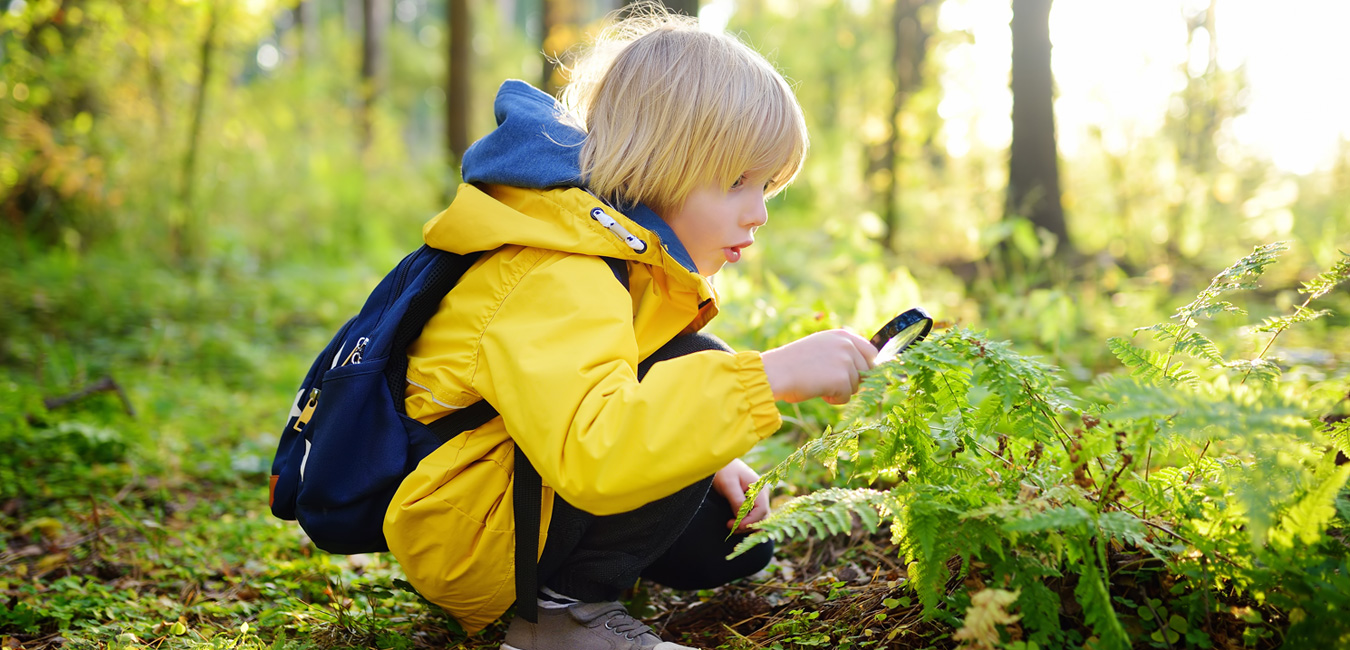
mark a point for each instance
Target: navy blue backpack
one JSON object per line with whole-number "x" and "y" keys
{"x": 348, "y": 442}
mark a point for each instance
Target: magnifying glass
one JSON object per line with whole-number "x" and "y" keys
{"x": 903, "y": 331}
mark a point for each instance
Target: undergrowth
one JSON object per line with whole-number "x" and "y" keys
{"x": 1198, "y": 501}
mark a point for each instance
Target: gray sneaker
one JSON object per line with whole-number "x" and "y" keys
{"x": 584, "y": 626}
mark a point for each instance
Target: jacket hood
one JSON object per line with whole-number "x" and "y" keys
{"x": 532, "y": 148}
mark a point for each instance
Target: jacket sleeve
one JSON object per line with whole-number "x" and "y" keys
{"x": 558, "y": 360}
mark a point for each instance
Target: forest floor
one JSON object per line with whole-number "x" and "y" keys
{"x": 201, "y": 563}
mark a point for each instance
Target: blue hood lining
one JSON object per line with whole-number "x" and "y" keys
{"x": 531, "y": 147}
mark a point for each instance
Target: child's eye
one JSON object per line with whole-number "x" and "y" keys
{"x": 739, "y": 182}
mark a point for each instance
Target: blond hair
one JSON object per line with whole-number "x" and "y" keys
{"x": 668, "y": 108}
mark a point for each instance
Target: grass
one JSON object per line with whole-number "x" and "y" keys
{"x": 135, "y": 515}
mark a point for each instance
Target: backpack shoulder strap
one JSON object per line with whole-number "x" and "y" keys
{"x": 442, "y": 274}
{"x": 527, "y": 490}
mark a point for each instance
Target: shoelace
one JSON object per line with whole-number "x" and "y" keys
{"x": 623, "y": 623}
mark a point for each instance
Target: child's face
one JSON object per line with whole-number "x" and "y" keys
{"x": 715, "y": 224}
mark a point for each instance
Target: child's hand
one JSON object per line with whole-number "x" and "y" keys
{"x": 731, "y": 482}
{"x": 826, "y": 364}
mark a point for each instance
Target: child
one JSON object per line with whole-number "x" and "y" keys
{"x": 670, "y": 142}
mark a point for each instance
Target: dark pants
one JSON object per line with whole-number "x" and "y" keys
{"x": 680, "y": 541}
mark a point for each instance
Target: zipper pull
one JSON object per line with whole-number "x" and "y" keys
{"x": 355, "y": 356}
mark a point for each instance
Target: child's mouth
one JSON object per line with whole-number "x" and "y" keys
{"x": 733, "y": 253}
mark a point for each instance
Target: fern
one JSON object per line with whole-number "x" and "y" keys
{"x": 1279, "y": 324}
{"x": 1339, "y": 435}
{"x": 1063, "y": 518}
{"x": 827, "y": 448}
{"x": 1304, "y": 521}
{"x": 1095, "y": 597}
{"x": 1263, "y": 369}
{"x": 1241, "y": 275}
{"x": 1316, "y": 288}
{"x": 1327, "y": 280}
{"x": 1185, "y": 340}
{"x": 925, "y": 537}
{"x": 999, "y": 465}
{"x": 1146, "y": 364}
{"x": 823, "y": 513}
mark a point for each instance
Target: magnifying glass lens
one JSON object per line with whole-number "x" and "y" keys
{"x": 904, "y": 330}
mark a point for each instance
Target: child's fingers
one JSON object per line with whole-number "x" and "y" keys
{"x": 756, "y": 514}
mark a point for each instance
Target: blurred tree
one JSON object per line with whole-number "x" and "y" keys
{"x": 911, "y": 32}
{"x": 307, "y": 22}
{"x": 1033, "y": 166}
{"x": 184, "y": 233}
{"x": 460, "y": 79}
{"x": 1209, "y": 102}
{"x": 686, "y": 7}
{"x": 561, "y": 30}
{"x": 374, "y": 55}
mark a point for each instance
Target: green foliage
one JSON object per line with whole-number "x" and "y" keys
{"x": 1220, "y": 493}
{"x": 822, "y": 513}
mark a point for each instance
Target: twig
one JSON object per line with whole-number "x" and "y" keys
{"x": 1196, "y": 466}
{"x": 106, "y": 384}
{"x": 1162, "y": 625}
{"x": 993, "y": 453}
{"x": 1274, "y": 336}
{"x": 1148, "y": 462}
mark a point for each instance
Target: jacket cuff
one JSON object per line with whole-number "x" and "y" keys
{"x": 761, "y": 404}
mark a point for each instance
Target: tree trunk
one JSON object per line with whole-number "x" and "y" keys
{"x": 183, "y": 229}
{"x": 1033, "y": 169}
{"x": 374, "y": 31}
{"x": 558, "y": 14}
{"x": 459, "y": 80}
{"x": 307, "y": 22}
{"x": 911, "y": 47}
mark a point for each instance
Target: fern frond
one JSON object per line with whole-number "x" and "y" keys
{"x": 827, "y": 447}
{"x": 1211, "y": 310}
{"x": 1095, "y": 597}
{"x": 1267, "y": 371}
{"x": 1065, "y": 519}
{"x": 1040, "y": 607}
{"x": 1198, "y": 346}
{"x": 1241, "y": 275}
{"x": 1034, "y": 423}
{"x": 1163, "y": 332}
{"x": 987, "y": 416}
{"x": 923, "y": 533}
{"x": 1339, "y": 434}
{"x": 1144, "y": 364}
{"x": 1327, "y": 280}
{"x": 1305, "y": 522}
{"x": 1281, "y": 323}
{"x": 822, "y": 513}
{"x": 1124, "y": 527}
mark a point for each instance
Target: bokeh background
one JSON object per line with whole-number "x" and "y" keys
{"x": 194, "y": 194}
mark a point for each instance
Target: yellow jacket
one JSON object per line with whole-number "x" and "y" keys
{"x": 541, "y": 329}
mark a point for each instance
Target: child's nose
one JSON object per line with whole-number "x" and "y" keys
{"x": 756, "y": 215}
